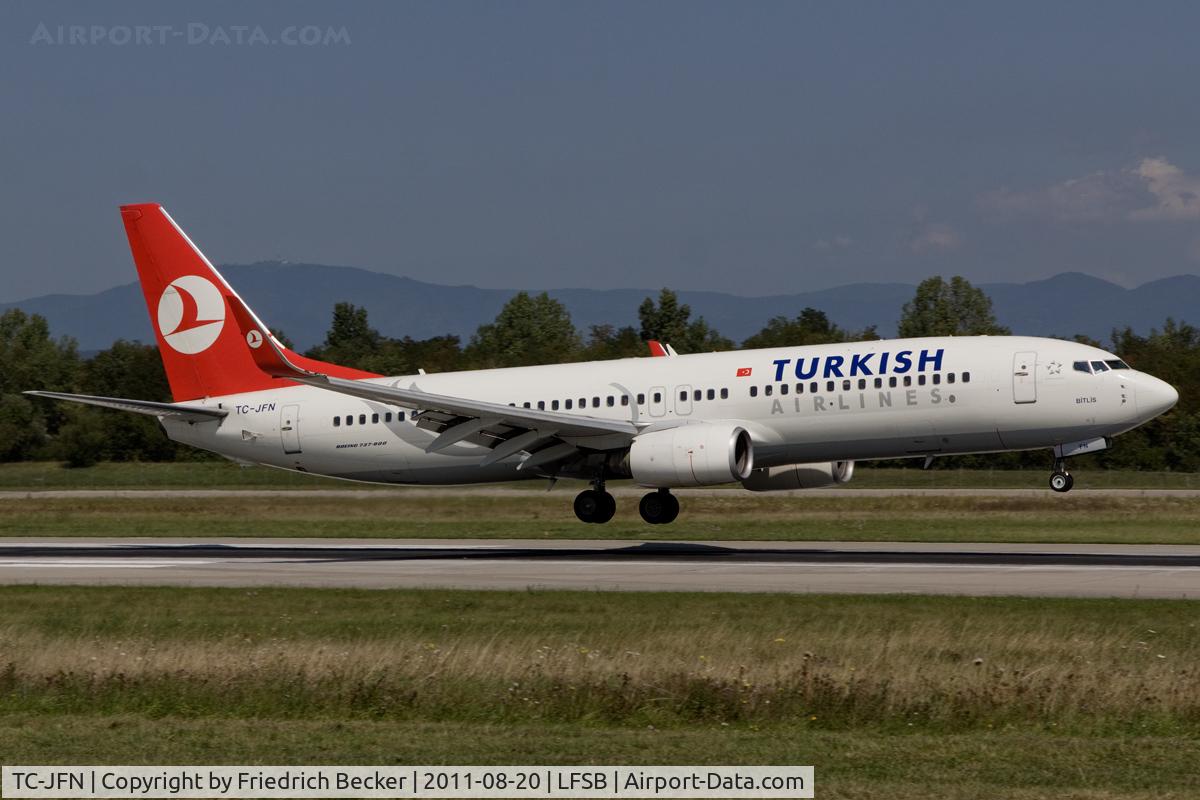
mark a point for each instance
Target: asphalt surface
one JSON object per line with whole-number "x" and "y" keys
{"x": 874, "y": 567}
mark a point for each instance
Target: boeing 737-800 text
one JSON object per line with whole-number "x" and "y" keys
{"x": 780, "y": 418}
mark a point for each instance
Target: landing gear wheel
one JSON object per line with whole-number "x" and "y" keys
{"x": 1061, "y": 481}
{"x": 594, "y": 506}
{"x": 659, "y": 508}
{"x": 608, "y": 507}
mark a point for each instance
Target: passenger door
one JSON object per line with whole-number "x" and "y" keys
{"x": 289, "y": 428}
{"x": 1025, "y": 378}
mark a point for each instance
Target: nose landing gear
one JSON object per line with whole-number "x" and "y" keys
{"x": 659, "y": 508}
{"x": 1060, "y": 479}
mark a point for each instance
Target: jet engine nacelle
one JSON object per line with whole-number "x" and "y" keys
{"x": 799, "y": 476}
{"x": 703, "y": 454}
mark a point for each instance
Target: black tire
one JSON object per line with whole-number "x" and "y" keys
{"x": 588, "y": 505}
{"x": 672, "y": 509}
{"x": 650, "y": 508}
{"x": 608, "y": 507}
{"x": 659, "y": 508}
{"x": 1061, "y": 482}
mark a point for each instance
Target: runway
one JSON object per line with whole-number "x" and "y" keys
{"x": 1167, "y": 571}
{"x": 532, "y": 490}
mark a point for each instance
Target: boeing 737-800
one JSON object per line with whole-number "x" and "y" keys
{"x": 772, "y": 419}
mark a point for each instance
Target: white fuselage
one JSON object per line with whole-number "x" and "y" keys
{"x": 856, "y": 401}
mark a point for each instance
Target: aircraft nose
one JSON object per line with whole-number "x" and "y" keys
{"x": 1155, "y": 396}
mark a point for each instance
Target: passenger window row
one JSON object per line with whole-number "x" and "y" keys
{"x": 386, "y": 417}
{"x": 847, "y": 385}
{"x": 698, "y": 395}
{"x": 611, "y": 401}
{"x": 703, "y": 394}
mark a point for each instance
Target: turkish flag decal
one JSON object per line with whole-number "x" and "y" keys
{"x": 744, "y": 372}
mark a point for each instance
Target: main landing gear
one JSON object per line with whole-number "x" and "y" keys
{"x": 659, "y": 508}
{"x": 595, "y": 505}
{"x": 598, "y": 506}
{"x": 1060, "y": 479}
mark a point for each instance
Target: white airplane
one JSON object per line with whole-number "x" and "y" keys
{"x": 772, "y": 419}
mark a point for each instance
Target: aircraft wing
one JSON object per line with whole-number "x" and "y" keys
{"x": 547, "y": 435}
{"x": 565, "y": 424}
{"x": 187, "y": 413}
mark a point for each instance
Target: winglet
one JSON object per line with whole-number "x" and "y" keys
{"x": 660, "y": 350}
{"x": 266, "y": 352}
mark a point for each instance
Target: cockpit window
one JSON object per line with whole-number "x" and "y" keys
{"x": 1099, "y": 366}
{"x": 1082, "y": 366}
{"x": 1117, "y": 363}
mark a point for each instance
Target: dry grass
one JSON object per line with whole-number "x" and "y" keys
{"x": 842, "y": 671}
{"x": 890, "y": 697}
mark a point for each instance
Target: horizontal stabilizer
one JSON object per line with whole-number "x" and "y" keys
{"x": 188, "y": 413}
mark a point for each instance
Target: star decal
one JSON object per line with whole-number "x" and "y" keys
{"x": 1054, "y": 367}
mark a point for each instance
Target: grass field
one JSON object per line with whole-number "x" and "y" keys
{"x": 896, "y": 697}
{"x": 227, "y": 475}
{"x": 713, "y": 516}
{"x": 889, "y": 697}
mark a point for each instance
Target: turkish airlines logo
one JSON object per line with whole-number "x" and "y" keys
{"x": 254, "y": 339}
{"x": 191, "y": 314}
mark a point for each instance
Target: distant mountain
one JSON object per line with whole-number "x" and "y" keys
{"x": 298, "y": 299}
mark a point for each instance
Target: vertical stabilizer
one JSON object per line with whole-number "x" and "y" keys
{"x": 189, "y": 308}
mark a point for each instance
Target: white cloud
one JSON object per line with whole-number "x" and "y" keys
{"x": 935, "y": 236}
{"x": 1101, "y": 195}
{"x": 1155, "y": 189}
{"x": 1177, "y": 194}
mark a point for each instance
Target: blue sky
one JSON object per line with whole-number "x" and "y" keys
{"x": 755, "y": 148}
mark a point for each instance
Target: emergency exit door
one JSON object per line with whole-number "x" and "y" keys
{"x": 289, "y": 428}
{"x": 1025, "y": 378}
{"x": 683, "y": 400}
{"x": 658, "y": 401}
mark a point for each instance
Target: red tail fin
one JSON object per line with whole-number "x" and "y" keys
{"x": 188, "y": 301}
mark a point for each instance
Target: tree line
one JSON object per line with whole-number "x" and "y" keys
{"x": 534, "y": 329}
